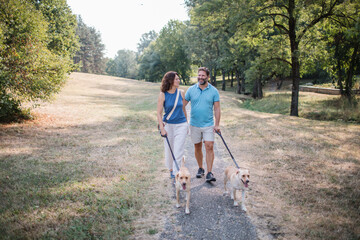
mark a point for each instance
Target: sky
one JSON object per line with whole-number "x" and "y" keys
{"x": 122, "y": 22}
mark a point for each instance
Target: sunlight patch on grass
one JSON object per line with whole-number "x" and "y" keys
{"x": 311, "y": 106}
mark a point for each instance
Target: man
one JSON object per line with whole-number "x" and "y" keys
{"x": 205, "y": 103}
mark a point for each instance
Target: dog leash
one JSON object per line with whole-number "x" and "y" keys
{"x": 218, "y": 132}
{"x": 165, "y": 136}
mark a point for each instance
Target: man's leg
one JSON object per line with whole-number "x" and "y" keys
{"x": 199, "y": 154}
{"x": 196, "y": 137}
{"x": 209, "y": 146}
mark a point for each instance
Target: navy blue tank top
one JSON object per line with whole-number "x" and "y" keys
{"x": 178, "y": 115}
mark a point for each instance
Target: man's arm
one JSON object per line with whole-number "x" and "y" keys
{"x": 217, "y": 113}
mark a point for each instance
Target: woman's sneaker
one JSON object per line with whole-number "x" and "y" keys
{"x": 210, "y": 177}
{"x": 200, "y": 173}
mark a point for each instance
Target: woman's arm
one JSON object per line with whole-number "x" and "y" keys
{"x": 160, "y": 107}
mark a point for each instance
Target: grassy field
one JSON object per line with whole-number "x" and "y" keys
{"x": 311, "y": 106}
{"x": 81, "y": 169}
{"x": 90, "y": 167}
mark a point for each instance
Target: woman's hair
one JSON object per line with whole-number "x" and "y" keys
{"x": 168, "y": 80}
{"x": 205, "y": 70}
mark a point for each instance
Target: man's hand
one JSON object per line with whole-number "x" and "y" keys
{"x": 217, "y": 129}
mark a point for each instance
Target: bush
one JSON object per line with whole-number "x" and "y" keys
{"x": 29, "y": 71}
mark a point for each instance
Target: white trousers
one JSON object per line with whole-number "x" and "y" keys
{"x": 176, "y": 134}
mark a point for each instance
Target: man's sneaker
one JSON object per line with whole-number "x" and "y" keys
{"x": 210, "y": 177}
{"x": 172, "y": 175}
{"x": 200, "y": 173}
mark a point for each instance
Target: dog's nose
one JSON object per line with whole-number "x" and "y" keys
{"x": 247, "y": 181}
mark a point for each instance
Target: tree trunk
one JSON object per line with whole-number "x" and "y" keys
{"x": 223, "y": 81}
{"x": 232, "y": 79}
{"x": 295, "y": 86}
{"x": 338, "y": 63}
{"x": 279, "y": 85}
{"x": 257, "y": 89}
{"x": 295, "y": 64}
{"x": 214, "y": 77}
{"x": 243, "y": 85}
{"x": 350, "y": 74}
{"x": 238, "y": 87}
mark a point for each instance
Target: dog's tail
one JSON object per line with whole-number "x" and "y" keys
{"x": 183, "y": 162}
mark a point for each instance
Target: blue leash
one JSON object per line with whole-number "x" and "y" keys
{"x": 165, "y": 136}
{"x": 228, "y": 149}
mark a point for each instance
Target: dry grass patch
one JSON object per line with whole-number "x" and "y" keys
{"x": 306, "y": 174}
{"x": 82, "y": 168}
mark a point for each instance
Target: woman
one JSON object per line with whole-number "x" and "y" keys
{"x": 174, "y": 122}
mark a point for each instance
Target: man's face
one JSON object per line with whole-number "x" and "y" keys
{"x": 202, "y": 77}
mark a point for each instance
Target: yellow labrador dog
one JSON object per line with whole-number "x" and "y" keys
{"x": 238, "y": 179}
{"x": 182, "y": 181}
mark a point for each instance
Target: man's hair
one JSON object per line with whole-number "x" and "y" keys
{"x": 205, "y": 70}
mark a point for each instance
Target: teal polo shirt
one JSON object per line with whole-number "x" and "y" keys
{"x": 202, "y": 104}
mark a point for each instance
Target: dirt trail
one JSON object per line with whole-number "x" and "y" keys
{"x": 213, "y": 215}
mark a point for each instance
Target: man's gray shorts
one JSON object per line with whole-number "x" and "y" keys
{"x": 199, "y": 133}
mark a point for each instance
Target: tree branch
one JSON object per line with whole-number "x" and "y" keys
{"x": 277, "y": 14}
{"x": 277, "y": 6}
{"x": 280, "y": 26}
{"x": 316, "y": 20}
{"x": 278, "y": 59}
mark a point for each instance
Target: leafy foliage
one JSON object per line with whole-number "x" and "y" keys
{"x": 91, "y": 53}
{"x": 29, "y": 71}
{"x": 166, "y": 53}
{"x": 123, "y": 65}
{"x": 265, "y": 39}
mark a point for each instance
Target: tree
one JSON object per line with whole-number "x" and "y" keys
{"x": 61, "y": 32}
{"x": 171, "y": 47}
{"x": 292, "y": 19}
{"x": 150, "y": 66}
{"x": 166, "y": 53}
{"x": 277, "y": 32}
{"x": 29, "y": 71}
{"x": 123, "y": 65}
{"x": 343, "y": 42}
{"x": 145, "y": 41}
{"x": 91, "y": 53}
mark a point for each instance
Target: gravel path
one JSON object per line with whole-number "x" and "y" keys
{"x": 213, "y": 215}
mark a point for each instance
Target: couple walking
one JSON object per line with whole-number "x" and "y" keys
{"x": 205, "y": 103}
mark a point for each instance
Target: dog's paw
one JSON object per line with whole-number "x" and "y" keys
{"x": 177, "y": 205}
{"x": 236, "y": 203}
{"x": 243, "y": 208}
{"x": 187, "y": 211}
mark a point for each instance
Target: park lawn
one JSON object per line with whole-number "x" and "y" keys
{"x": 85, "y": 167}
{"x": 311, "y": 106}
{"x": 91, "y": 166}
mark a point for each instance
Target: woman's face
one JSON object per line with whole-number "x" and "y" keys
{"x": 176, "y": 81}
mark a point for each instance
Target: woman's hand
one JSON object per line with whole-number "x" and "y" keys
{"x": 162, "y": 129}
{"x": 163, "y": 132}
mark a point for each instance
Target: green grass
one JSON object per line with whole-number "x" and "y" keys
{"x": 86, "y": 178}
{"x": 325, "y": 108}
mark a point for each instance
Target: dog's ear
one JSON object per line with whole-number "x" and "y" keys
{"x": 237, "y": 171}
{"x": 177, "y": 176}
